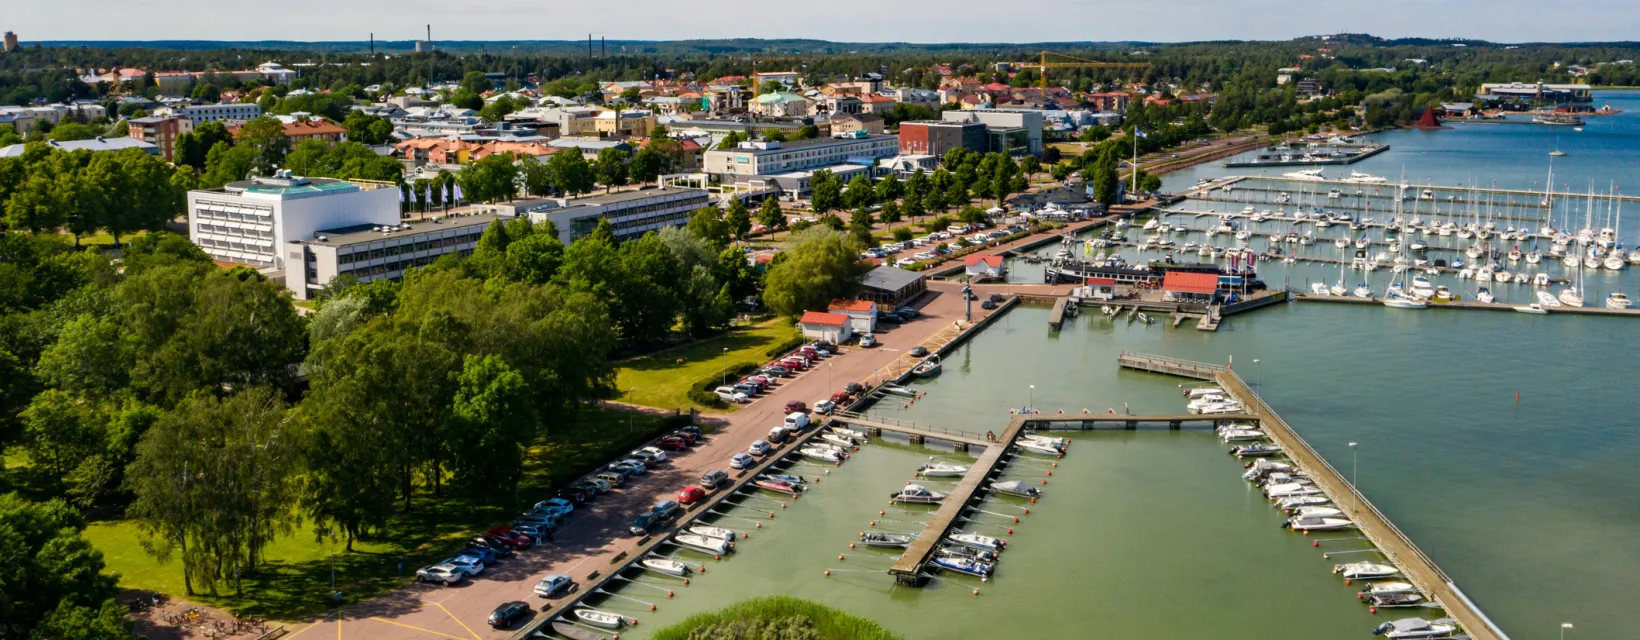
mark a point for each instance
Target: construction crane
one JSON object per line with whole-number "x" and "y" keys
{"x": 1074, "y": 61}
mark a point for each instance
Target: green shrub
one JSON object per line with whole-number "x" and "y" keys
{"x": 704, "y": 391}
{"x": 782, "y": 348}
{"x": 762, "y": 618}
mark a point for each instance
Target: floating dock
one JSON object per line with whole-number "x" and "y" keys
{"x": 1417, "y": 567}
{"x": 1305, "y": 156}
{"x": 1479, "y": 306}
{"x": 908, "y": 569}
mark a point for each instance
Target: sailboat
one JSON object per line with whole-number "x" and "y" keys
{"x": 1394, "y": 296}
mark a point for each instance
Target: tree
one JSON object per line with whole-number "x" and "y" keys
{"x": 477, "y": 82}
{"x": 490, "y": 178}
{"x": 492, "y": 420}
{"x": 807, "y": 132}
{"x": 859, "y": 193}
{"x": 859, "y": 225}
{"x": 738, "y": 219}
{"x": 890, "y": 213}
{"x": 1095, "y": 133}
{"x": 818, "y": 265}
{"x": 707, "y": 223}
{"x": 890, "y": 189}
{"x": 79, "y": 622}
{"x": 367, "y": 129}
{"x": 228, "y": 163}
{"x": 645, "y": 166}
{"x": 570, "y": 171}
{"x": 769, "y": 214}
{"x": 731, "y": 141}
{"x": 51, "y": 573}
{"x": 267, "y": 136}
{"x": 1102, "y": 175}
{"x": 1050, "y": 156}
{"x": 826, "y": 191}
{"x": 537, "y": 176}
{"x": 902, "y": 234}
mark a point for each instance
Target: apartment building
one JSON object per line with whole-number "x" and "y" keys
{"x": 160, "y": 131}
{"x": 228, "y": 112}
{"x": 378, "y": 252}
{"x": 769, "y": 158}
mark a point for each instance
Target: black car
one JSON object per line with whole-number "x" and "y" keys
{"x": 919, "y": 351}
{"x": 855, "y": 388}
{"x": 574, "y": 493}
{"x": 508, "y": 613}
{"x": 500, "y": 548}
{"x": 822, "y": 344}
{"x": 692, "y": 429}
{"x": 997, "y": 298}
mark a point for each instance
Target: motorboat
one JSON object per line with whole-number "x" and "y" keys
{"x": 1396, "y": 600}
{"x": 977, "y": 541}
{"x": 1319, "y": 289}
{"x": 1262, "y": 467}
{"x": 1547, "y": 300}
{"x": 963, "y": 565}
{"x": 1366, "y": 571}
{"x": 929, "y": 367}
{"x": 885, "y": 539}
{"x": 1522, "y": 277}
{"x": 597, "y": 618}
{"x": 702, "y": 543}
{"x": 1417, "y": 628}
{"x": 1317, "y": 524}
{"x": 1484, "y": 294}
{"x": 1037, "y": 447}
{"x": 712, "y": 532}
{"x": 1219, "y": 408}
{"x": 1241, "y": 435}
{"x": 942, "y": 470}
{"x": 1618, "y": 300}
{"x": 898, "y": 390}
{"x": 1290, "y": 489}
{"x": 1057, "y": 443}
{"x": 822, "y": 455}
{"x": 1145, "y": 318}
{"x": 1295, "y": 502}
{"x": 662, "y": 565}
{"x": 1318, "y": 511}
{"x": 1254, "y": 450}
{"x": 1534, "y": 309}
{"x": 856, "y": 436}
{"x": 1388, "y": 588}
{"x": 841, "y": 441}
{"x": 573, "y": 631}
{"x": 1018, "y": 488}
{"x": 777, "y": 486}
{"x": 1198, "y": 392}
{"x": 1571, "y": 298}
{"x": 959, "y": 551}
{"x": 798, "y": 480}
{"x": 1442, "y": 294}
{"x": 916, "y": 494}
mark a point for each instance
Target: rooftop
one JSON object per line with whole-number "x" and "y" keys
{"x": 96, "y": 144}
{"x": 890, "y": 278}
{"x": 1190, "y": 282}
{"x": 285, "y": 185}
{"x": 857, "y": 306}
{"x": 823, "y": 318}
{"x": 627, "y": 196}
{"x": 361, "y": 233}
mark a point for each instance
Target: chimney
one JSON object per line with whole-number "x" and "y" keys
{"x": 603, "y": 51}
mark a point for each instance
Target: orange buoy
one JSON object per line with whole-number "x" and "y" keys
{"x": 669, "y": 594}
{"x": 851, "y": 545}
{"x": 1373, "y": 610}
{"x": 1016, "y": 520}
{"x": 703, "y": 568}
{"x": 1347, "y": 581}
{"x": 839, "y": 557}
{"x": 771, "y": 514}
{"x": 1050, "y": 473}
{"x": 881, "y": 513}
{"x": 1010, "y": 532}
{"x": 744, "y": 535}
{"x": 1317, "y": 543}
{"x": 759, "y": 524}
{"x": 828, "y": 573}
{"x": 783, "y": 505}
{"x": 651, "y": 608}
{"x": 862, "y": 534}
{"x": 976, "y": 592}
{"x": 1044, "y": 481}
{"x": 718, "y": 557}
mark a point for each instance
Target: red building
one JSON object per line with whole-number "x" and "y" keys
{"x": 933, "y": 137}
{"x": 160, "y": 131}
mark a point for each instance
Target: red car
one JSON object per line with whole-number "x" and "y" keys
{"x": 672, "y": 443}
{"x": 509, "y": 537}
{"x": 796, "y": 406}
{"x": 688, "y": 437}
{"x": 840, "y": 398}
{"x": 691, "y": 495}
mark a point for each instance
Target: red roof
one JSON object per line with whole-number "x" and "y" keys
{"x": 1186, "y": 282}
{"x": 1102, "y": 281}
{"x": 857, "y": 306}
{"x": 823, "y": 318}
{"x": 991, "y": 261}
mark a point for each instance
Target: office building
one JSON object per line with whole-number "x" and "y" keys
{"x": 935, "y": 137}
{"x": 226, "y": 112}
{"x": 630, "y": 213}
{"x": 771, "y": 158}
{"x": 250, "y": 220}
{"x": 378, "y": 252}
{"x": 161, "y": 131}
{"x": 1010, "y": 128}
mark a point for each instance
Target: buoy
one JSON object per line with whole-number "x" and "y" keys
{"x": 851, "y": 545}
{"x": 1317, "y": 543}
{"x": 908, "y": 483}
{"x": 1306, "y": 532}
{"x": 1050, "y": 473}
{"x": 1033, "y": 501}
{"x": 976, "y": 592}
{"x": 817, "y": 478}
{"x": 1044, "y": 481}
{"x": 717, "y": 557}
{"x": 1359, "y": 596}
{"x": 1028, "y": 511}
{"x": 669, "y": 594}
{"x": 881, "y": 513}
{"x": 685, "y": 582}
{"x": 744, "y": 535}
{"x": 783, "y": 505}
{"x": 651, "y": 608}
{"x": 1010, "y": 532}
{"x": 828, "y": 573}
{"x": 1347, "y": 580}
{"x": 1016, "y": 520}
{"x": 1373, "y": 610}
{"x": 703, "y": 568}
{"x": 1055, "y": 464}
{"x": 873, "y": 523}
{"x": 771, "y": 514}
{"x": 862, "y": 534}
{"x": 759, "y": 524}
{"x": 1060, "y": 456}
{"x": 839, "y": 557}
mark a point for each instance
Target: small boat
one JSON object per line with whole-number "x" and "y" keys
{"x": 603, "y": 619}
{"x": 1302, "y": 501}
{"x": 1241, "y": 435}
{"x": 712, "y": 532}
{"x": 1388, "y": 588}
{"x": 573, "y": 632}
{"x": 1618, "y": 300}
{"x": 942, "y": 470}
{"x": 1534, "y": 309}
{"x": 1396, "y": 600}
{"x": 797, "y": 480}
{"x": 1200, "y": 392}
{"x": 1263, "y": 467}
{"x": 1318, "y": 511}
{"x": 929, "y": 367}
{"x": 1417, "y": 628}
{"x": 963, "y": 565}
{"x": 884, "y": 539}
{"x": 668, "y": 567}
{"x": 1037, "y": 447}
{"x": 1557, "y": 153}
{"x": 857, "y": 436}
{"x": 1484, "y": 294}
{"x": 777, "y": 486}
{"x": 1146, "y": 319}
{"x": 916, "y": 494}
{"x": 1546, "y": 299}
{"x": 1362, "y": 291}
{"x": 823, "y": 455}
{"x": 702, "y": 543}
{"x": 1366, "y": 571}
{"x": 1056, "y": 443}
{"x": 841, "y": 441}
{"x": 977, "y": 541}
{"x": 1016, "y": 488}
{"x": 899, "y": 391}
{"x": 1317, "y": 524}
{"x": 1290, "y": 489}
{"x": 1254, "y": 450}
{"x": 1404, "y": 302}
{"x": 959, "y": 551}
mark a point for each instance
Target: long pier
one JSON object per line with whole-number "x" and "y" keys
{"x": 1416, "y": 566}
{"x": 908, "y": 569}
{"x": 1479, "y": 306}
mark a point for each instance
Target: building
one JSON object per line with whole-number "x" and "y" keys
{"x": 97, "y": 144}
{"x": 589, "y": 147}
{"x": 788, "y": 79}
{"x": 843, "y": 104}
{"x": 11, "y": 42}
{"x": 300, "y": 131}
{"x": 226, "y": 112}
{"x": 616, "y": 123}
{"x": 249, "y": 221}
{"x": 835, "y": 328}
{"x": 1183, "y": 286}
{"x": 161, "y": 131}
{"x": 782, "y": 104}
{"x": 1530, "y": 92}
{"x": 892, "y": 286}
{"x": 935, "y": 137}
{"x": 630, "y": 213}
{"x": 844, "y": 124}
{"x": 424, "y": 46}
{"x": 770, "y": 158}
{"x": 862, "y": 314}
{"x": 1007, "y": 127}
{"x": 378, "y": 252}
{"x": 980, "y": 267}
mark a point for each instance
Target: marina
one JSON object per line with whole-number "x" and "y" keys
{"x": 1293, "y": 154}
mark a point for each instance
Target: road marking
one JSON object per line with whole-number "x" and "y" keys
{"x": 315, "y": 624}
{"x": 442, "y": 635}
{"x": 338, "y": 623}
{"x": 458, "y": 621}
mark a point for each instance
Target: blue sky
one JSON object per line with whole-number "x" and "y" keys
{"x": 901, "y": 20}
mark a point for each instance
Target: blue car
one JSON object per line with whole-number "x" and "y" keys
{"x": 485, "y": 555}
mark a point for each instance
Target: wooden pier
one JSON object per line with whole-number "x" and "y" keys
{"x": 918, "y": 433}
{"x": 1479, "y": 306}
{"x": 908, "y": 569}
{"x": 1417, "y": 567}
{"x": 1056, "y": 318}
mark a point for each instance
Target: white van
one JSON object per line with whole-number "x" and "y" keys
{"x": 797, "y": 421}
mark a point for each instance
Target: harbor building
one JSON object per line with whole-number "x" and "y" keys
{"x": 248, "y": 221}
{"x": 831, "y": 327}
{"x": 892, "y": 286}
{"x": 1527, "y": 93}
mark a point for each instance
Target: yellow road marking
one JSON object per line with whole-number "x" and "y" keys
{"x": 400, "y": 624}
{"x": 338, "y": 623}
{"x": 458, "y": 620}
{"x": 315, "y": 624}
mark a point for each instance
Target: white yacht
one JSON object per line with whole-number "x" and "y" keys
{"x": 1618, "y": 300}
{"x": 942, "y": 470}
{"x": 1302, "y": 523}
{"x": 1483, "y": 295}
{"x": 1417, "y": 628}
{"x": 1546, "y": 299}
{"x": 1366, "y": 571}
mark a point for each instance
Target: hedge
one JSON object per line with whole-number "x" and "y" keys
{"x": 825, "y": 622}
{"x": 782, "y": 348}
{"x": 704, "y": 391}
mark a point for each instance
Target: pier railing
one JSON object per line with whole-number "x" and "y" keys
{"x": 906, "y": 425}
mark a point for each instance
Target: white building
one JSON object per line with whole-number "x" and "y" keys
{"x": 630, "y": 213}
{"x": 771, "y": 158}
{"x": 250, "y": 220}
{"x": 830, "y": 327}
{"x": 862, "y": 314}
{"x": 379, "y": 252}
{"x": 226, "y": 112}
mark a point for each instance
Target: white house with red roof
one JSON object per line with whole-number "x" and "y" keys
{"x": 1184, "y": 286}
{"x": 835, "y": 328}
{"x": 862, "y": 314}
{"x": 981, "y": 267}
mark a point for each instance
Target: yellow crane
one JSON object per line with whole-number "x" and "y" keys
{"x": 1073, "y": 61}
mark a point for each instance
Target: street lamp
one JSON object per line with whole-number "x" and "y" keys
{"x": 1563, "y": 627}
{"x": 1258, "y": 380}
{"x": 725, "y": 366}
{"x": 1032, "y": 401}
{"x": 1355, "y": 492}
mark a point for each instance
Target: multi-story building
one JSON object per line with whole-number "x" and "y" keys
{"x": 94, "y": 145}
{"x": 11, "y": 42}
{"x": 251, "y": 220}
{"x": 630, "y": 213}
{"x": 161, "y": 131}
{"x": 848, "y": 123}
{"x": 934, "y": 137}
{"x": 378, "y": 252}
{"x": 782, "y": 104}
{"x": 770, "y": 158}
{"x": 616, "y": 123}
{"x": 300, "y": 131}
{"x": 227, "y": 112}
{"x": 1530, "y": 92}
{"x": 1029, "y": 120}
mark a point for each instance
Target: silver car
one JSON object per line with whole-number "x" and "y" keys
{"x": 448, "y": 574}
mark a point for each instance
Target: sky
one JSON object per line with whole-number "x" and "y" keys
{"x": 901, "y": 21}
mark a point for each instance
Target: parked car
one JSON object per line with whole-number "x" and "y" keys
{"x": 796, "y": 406}
{"x": 925, "y": 255}
{"x": 907, "y": 312}
{"x": 756, "y": 383}
{"x": 672, "y": 443}
{"x": 501, "y": 549}
{"x": 825, "y": 345}
{"x": 797, "y": 421}
{"x": 868, "y": 341}
{"x": 603, "y": 485}
{"x": 919, "y": 351}
{"x": 552, "y": 584}
{"x": 759, "y": 448}
{"x": 987, "y": 305}
{"x": 536, "y": 519}
{"x": 667, "y": 508}
{"x": 576, "y": 493}
{"x": 636, "y": 466}
{"x": 765, "y": 380}
{"x": 904, "y": 262}
{"x": 644, "y": 523}
{"x": 467, "y": 564}
{"x": 841, "y": 397}
{"x": 711, "y": 479}
{"x": 691, "y": 495}
{"x": 778, "y": 370}
{"x": 690, "y": 434}
{"x": 854, "y": 388}
{"x": 741, "y": 461}
{"x": 745, "y": 388}
{"x": 728, "y": 394}
{"x": 536, "y": 533}
{"x": 613, "y": 478}
{"x": 649, "y": 455}
{"x": 825, "y": 407}
{"x": 447, "y": 573}
{"x": 779, "y": 434}
{"x": 811, "y": 353}
{"x": 483, "y": 553}
{"x": 510, "y": 538}
{"x": 559, "y": 505}
{"x": 508, "y": 613}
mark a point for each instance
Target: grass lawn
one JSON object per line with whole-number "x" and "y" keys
{"x": 294, "y": 582}
{"x": 660, "y": 380}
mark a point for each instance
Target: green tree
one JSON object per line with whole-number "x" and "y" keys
{"x": 859, "y": 226}
{"x": 731, "y": 141}
{"x": 859, "y": 193}
{"x": 611, "y": 167}
{"x": 645, "y": 166}
{"x": 889, "y": 189}
{"x": 537, "y": 176}
{"x": 492, "y": 420}
{"x": 570, "y": 171}
{"x": 266, "y": 135}
{"x": 707, "y": 223}
{"x": 826, "y": 191}
{"x": 52, "y": 575}
{"x": 493, "y": 177}
{"x": 367, "y": 129}
{"x": 818, "y": 265}
{"x": 769, "y": 214}
{"x": 890, "y": 213}
{"x": 78, "y": 622}
{"x": 228, "y": 163}
{"x": 902, "y": 234}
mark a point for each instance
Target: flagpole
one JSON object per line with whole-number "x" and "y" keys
{"x": 1135, "y": 188}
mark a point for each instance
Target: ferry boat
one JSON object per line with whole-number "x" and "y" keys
{"x": 1557, "y": 120}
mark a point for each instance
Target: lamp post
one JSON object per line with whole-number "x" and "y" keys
{"x": 1355, "y": 492}
{"x": 1258, "y": 375}
{"x": 1563, "y": 627}
{"x": 725, "y": 366}
{"x": 1032, "y": 398}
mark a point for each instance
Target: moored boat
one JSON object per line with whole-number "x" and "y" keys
{"x": 942, "y": 470}
{"x": 929, "y": 367}
{"x": 916, "y": 494}
{"x": 712, "y": 532}
{"x": 1311, "y": 523}
{"x": 1396, "y": 600}
{"x": 1254, "y": 450}
{"x": 977, "y": 541}
{"x": 1366, "y": 571}
{"x": 777, "y": 486}
{"x": 963, "y": 565}
{"x": 597, "y": 618}
{"x": 885, "y": 539}
{"x": 1417, "y": 628}
{"x": 1036, "y": 447}
{"x": 1016, "y": 488}
{"x": 822, "y": 455}
{"x": 702, "y": 543}
{"x": 668, "y": 567}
